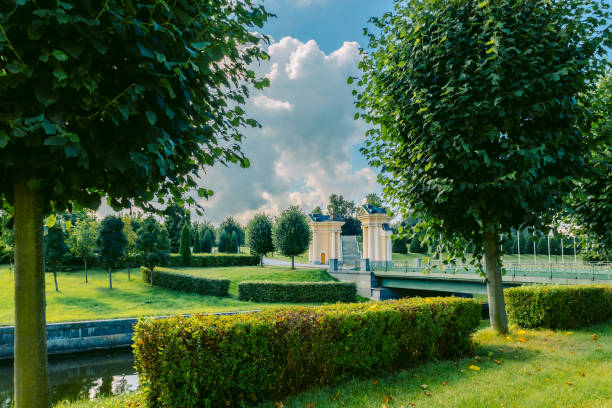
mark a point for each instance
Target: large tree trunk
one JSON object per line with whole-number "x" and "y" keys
{"x": 85, "y": 262}
{"x": 110, "y": 278}
{"x": 31, "y": 384}
{"x": 495, "y": 289}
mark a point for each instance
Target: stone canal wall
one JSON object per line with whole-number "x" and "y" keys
{"x": 76, "y": 337}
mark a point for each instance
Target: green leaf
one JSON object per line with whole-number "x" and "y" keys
{"x": 55, "y": 141}
{"x": 50, "y": 221}
{"x": 60, "y": 55}
{"x": 49, "y": 127}
{"x": 144, "y": 51}
{"x": 152, "y": 117}
{"x": 483, "y": 4}
{"x": 350, "y": 80}
{"x": 60, "y": 74}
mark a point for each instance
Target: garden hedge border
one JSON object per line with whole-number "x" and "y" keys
{"x": 297, "y": 292}
{"x": 214, "y": 260}
{"x": 234, "y": 361}
{"x": 559, "y": 306}
{"x": 174, "y": 280}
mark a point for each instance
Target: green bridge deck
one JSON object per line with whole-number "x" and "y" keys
{"x": 459, "y": 279}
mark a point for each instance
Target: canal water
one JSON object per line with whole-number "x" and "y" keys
{"x": 80, "y": 376}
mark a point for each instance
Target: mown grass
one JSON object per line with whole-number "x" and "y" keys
{"x": 78, "y": 300}
{"x": 530, "y": 368}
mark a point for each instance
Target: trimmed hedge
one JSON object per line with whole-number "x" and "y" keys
{"x": 297, "y": 292}
{"x": 559, "y": 306}
{"x": 219, "y": 361}
{"x": 167, "y": 278}
{"x": 214, "y": 260}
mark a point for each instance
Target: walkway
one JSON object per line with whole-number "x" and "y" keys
{"x": 278, "y": 262}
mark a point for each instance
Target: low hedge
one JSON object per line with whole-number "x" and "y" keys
{"x": 559, "y": 306}
{"x": 239, "y": 360}
{"x": 214, "y": 260}
{"x": 167, "y": 278}
{"x": 297, "y": 292}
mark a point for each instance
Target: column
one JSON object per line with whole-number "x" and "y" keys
{"x": 389, "y": 249}
{"x": 377, "y": 231}
{"x": 340, "y": 246}
{"x": 333, "y": 246}
{"x": 371, "y": 243}
{"x": 364, "y": 241}
{"x": 315, "y": 247}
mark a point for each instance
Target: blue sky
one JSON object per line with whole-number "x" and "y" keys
{"x": 308, "y": 147}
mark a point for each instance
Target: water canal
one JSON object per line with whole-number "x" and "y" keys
{"x": 80, "y": 376}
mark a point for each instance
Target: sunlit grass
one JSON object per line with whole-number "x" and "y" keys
{"x": 78, "y": 300}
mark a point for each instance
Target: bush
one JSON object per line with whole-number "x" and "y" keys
{"x": 559, "y": 306}
{"x": 174, "y": 280}
{"x": 214, "y": 260}
{"x": 297, "y": 292}
{"x": 399, "y": 246}
{"x": 416, "y": 247}
{"x": 243, "y": 359}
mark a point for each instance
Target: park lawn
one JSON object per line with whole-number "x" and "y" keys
{"x": 257, "y": 273}
{"x": 78, "y": 300}
{"x": 303, "y": 258}
{"x": 531, "y": 368}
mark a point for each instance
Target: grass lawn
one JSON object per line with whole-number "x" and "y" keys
{"x": 531, "y": 368}
{"x": 303, "y": 258}
{"x": 78, "y": 300}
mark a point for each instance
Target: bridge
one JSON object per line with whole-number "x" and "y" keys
{"x": 434, "y": 278}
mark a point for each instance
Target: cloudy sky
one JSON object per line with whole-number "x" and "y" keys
{"x": 308, "y": 147}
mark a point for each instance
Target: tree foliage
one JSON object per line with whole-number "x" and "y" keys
{"x": 208, "y": 241}
{"x": 175, "y": 217}
{"x": 291, "y": 233}
{"x": 197, "y": 241}
{"x": 479, "y": 112}
{"x": 374, "y": 200}
{"x": 224, "y": 244}
{"x": 230, "y": 225}
{"x": 82, "y": 238}
{"x": 111, "y": 244}
{"x": 317, "y": 210}
{"x": 185, "y": 244}
{"x": 340, "y": 207}
{"x": 153, "y": 242}
{"x": 55, "y": 250}
{"x": 259, "y": 235}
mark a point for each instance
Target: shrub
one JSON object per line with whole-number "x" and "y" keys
{"x": 185, "y": 244}
{"x": 297, "y": 292}
{"x": 416, "y": 247}
{"x": 243, "y": 359}
{"x": 559, "y": 306}
{"x": 170, "y": 279}
{"x": 214, "y": 260}
{"x": 399, "y": 246}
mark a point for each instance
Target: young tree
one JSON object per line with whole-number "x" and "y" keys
{"x": 291, "y": 233}
{"x": 231, "y": 225}
{"x": 351, "y": 226}
{"x": 374, "y": 200}
{"x": 197, "y": 242}
{"x": 224, "y": 245}
{"x": 124, "y": 100}
{"x": 153, "y": 243}
{"x": 82, "y": 239}
{"x": 111, "y": 244}
{"x": 185, "y": 245}
{"x": 317, "y": 211}
{"x": 233, "y": 243}
{"x": 479, "y": 112}
{"x": 208, "y": 241}
{"x": 399, "y": 245}
{"x": 175, "y": 217}
{"x": 416, "y": 247}
{"x": 55, "y": 250}
{"x": 130, "y": 246}
{"x": 259, "y": 236}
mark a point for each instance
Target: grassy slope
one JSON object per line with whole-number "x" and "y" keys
{"x": 548, "y": 369}
{"x": 78, "y": 300}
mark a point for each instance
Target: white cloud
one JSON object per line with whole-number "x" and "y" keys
{"x": 302, "y": 153}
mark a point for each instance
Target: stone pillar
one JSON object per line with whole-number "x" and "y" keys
{"x": 333, "y": 246}
{"x": 364, "y": 242}
{"x": 315, "y": 248}
{"x": 377, "y": 243}
{"x": 389, "y": 249}
{"x": 371, "y": 243}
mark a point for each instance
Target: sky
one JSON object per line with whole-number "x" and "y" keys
{"x": 308, "y": 146}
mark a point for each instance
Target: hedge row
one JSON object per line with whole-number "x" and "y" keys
{"x": 214, "y": 260}
{"x": 167, "y": 278}
{"x": 219, "y": 361}
{"x": 297, "y": 292}
{"x": 559, "y": 306}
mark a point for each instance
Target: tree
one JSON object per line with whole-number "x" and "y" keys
{"x": 351, "y": 226}
{"x": 55, "y": 250}
{"x": 82, "y": 239}
{"x": 399, "y": 246}
{"x": 416, "y": 247}
{"x": 208, "y": 241}
{"x": 185, "y": 245}
{"x": 374, "y": 200}
{"x": 317, "y": 211}
{"x": 234, "y": 246}
{"x": 175, "y": 217}
{"x": 224, "y": 244}
{"x": 231, "y": 225}
{"x": 153, "y": 243}
{"x": 130, "y": 246}
{"x": 7, "y": 243}
{"x": 259, "y": 236}
{"x": 197, "y": 242}
{"x": 123, "y": 100}
{"x": 475, "y": 134}
{"x": 291, "y": 233}
{"x": 111, "y": 244}
{"x": 340, "y": 207}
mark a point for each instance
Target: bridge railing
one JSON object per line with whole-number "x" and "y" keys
{"x": 582, "y": 271}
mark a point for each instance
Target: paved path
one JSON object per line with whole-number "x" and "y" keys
{"x": 278, "y": 262}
